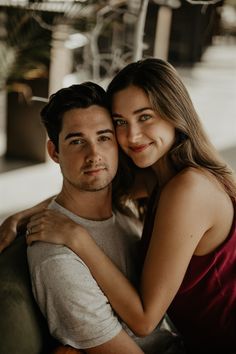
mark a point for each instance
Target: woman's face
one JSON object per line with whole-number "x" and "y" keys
{"x": 142, "y": 134}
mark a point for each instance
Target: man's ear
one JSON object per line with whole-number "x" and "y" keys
{"x": 52, "y": 151}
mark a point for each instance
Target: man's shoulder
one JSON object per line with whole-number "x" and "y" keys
{"x": 44, "y": 249}
{"x": 40, "y": 252}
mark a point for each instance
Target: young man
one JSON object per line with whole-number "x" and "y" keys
{"x": 82, "y": 141}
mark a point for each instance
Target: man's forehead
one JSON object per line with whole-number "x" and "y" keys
{"x": 91, "y": 117}
{"x": 87, "y": 122}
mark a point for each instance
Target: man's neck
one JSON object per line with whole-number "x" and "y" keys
{"x": 95, "y": 205}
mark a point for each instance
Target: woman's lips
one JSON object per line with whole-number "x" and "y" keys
{"x": 139, "y": 148}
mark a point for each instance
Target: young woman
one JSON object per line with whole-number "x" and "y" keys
{"x": 189, "y": 238}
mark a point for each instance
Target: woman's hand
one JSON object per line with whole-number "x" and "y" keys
{"x": 54, "y": 227}
{"x": 8, "y": 231}
{"x": 17, "y": 223}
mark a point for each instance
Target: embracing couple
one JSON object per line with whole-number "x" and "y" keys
{"x": 101, "y": 288}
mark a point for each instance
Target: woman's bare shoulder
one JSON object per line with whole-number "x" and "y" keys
{"x": 191, "y": 177}
{"x": 194, "y": 183}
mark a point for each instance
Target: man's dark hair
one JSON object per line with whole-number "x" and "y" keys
{"x": 76, "y": 96}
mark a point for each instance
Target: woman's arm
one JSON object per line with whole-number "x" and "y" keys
{"x": 16, "y": 222}
{"x": 183, "y": 216}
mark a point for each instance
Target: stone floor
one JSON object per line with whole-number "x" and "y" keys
{"x": 212, "y": 86}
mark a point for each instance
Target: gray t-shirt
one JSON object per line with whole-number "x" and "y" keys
{"x": 77, "y": 311}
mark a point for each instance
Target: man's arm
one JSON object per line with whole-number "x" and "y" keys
{"x": 77, "y": 311}
{"x": 65, "y": 349}
{"x": 17, "y": 222}
{"x": 120, "y": 344}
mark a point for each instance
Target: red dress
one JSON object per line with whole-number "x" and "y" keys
{"x": 204, "y": 308}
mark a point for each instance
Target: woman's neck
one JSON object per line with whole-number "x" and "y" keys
{"x": 164, "y": 171}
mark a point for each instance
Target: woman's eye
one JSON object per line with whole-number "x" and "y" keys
{"x": 145, "y": 117}
{"x": 119, "y": 122}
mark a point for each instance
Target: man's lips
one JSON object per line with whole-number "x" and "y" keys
{"x": 139, "y": 148}
{"x": 94, "y": 171}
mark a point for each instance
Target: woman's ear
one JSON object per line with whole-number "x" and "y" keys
{"x": 52, "y": 151}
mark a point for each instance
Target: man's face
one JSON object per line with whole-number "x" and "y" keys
{"x": 88, "y": 152}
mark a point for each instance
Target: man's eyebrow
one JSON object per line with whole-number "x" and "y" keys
{"x": 73, "y": 135}
{"x": 140, "y": 110}
{"x": 79, "y": 134}
{"x": 104, "y": 131}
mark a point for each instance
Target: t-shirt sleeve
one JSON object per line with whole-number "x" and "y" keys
{"x": 77, "y": 311}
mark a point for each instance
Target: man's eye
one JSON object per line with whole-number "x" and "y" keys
{"x": 104, "y": 138}
{"x": 119, "y": 122}
{"x": 145, "y": 117}
{"x": 76, "y": 142}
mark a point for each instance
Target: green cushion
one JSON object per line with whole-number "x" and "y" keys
{"x": 23, "y": 329}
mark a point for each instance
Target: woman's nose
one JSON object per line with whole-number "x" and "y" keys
{"x": 134, "y": 133}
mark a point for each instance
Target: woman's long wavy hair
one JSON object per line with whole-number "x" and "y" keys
{"x": 169, "y": 97}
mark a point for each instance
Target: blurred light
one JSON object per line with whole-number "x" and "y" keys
{"x": 39, "y": 99}
{"x": 174, "y": 4}
{"x": 76, "y": 40}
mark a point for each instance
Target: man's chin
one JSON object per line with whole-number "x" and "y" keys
{"x": 95, "y": 187}
{"x": 94, "y": 190}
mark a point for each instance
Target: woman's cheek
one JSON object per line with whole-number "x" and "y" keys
{"x": 120, "y": 136}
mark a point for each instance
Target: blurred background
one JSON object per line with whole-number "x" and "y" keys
{"x": 46, "y": 45}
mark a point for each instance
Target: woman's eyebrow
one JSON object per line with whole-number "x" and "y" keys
{"x": 139, "y": 110}
{"x": 116, "y": 115}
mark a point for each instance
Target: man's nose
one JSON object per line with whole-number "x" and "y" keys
{"x": 93, "y": 154}
{"x": 134, "y": 133}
